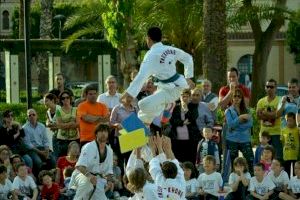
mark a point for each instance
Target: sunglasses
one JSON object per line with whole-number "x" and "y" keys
{"x": 237, "y": 96}
{"x": 63, "y": 98}
{"x": 31, "y": 115}
{"x": 270, "y": 86}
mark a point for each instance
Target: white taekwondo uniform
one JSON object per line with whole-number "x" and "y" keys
{"x": 168, "y": 188}
{"x": 90, "y": 158}
{"x": 160, "y": 62}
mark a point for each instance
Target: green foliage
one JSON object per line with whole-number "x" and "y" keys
{"x": 238, "y": 14}
{"x": 19, "y": 111}
{"x": 293, "y": 36}
{"x": 23, "y": 96}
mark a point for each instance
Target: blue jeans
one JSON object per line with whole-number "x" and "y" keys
{"x": 28, "y": 161}
{"x": 276, "y": 143}
{"x": 39, "y": 161}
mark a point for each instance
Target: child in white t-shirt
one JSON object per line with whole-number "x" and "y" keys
{"x": 293, "y": 186}
{"x": 6, "y": 189}
{"x": 239, "y": 180}
{"x": 261, "y": 187}
{"x": 210, "y": 181}
{"x": 23, "y": 184}
{"x": 279, "y": 177}
{"x": 192, "y": 185}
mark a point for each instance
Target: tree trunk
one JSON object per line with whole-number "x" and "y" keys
{"x": 45, "y": 33}
{"x": 215, "y": 42}
{"x": 261, "y": 54}
{"x": 128, "y": 61}
{"x": 21, "y": 20}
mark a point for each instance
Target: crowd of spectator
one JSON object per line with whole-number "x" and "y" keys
{"x": 190, "y": 159}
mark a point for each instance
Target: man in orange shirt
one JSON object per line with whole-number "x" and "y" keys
{"x": 89, "y": 114}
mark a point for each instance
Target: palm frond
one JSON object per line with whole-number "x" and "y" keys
{"x": 91, "y": 29}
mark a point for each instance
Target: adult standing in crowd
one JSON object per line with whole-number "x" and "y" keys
{"x": 148, "y": 89}
{"x": 225, "y": 93}
{"x": 67, "y": 123}
{"x": 209, "y": 97}
{"x": 184, "y": 132}
{"x": 239, "y": 120}
{"x": 37, "y": 142}
{"x": 50, "y": 103}
{"x": 290, "y": 102}
{"x": 94, "y": 163}
{"x": 111, "y": 97}
{"x": 120, "y": 113}
{"x": 60, "y": 85}
{"x": 12, "y": 135}
{"x": 205, "y": 117}
{"x": 89, "y": 114}
{"x": 266, "y": 111}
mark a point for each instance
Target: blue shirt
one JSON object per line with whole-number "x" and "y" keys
{"x": 289, "y": 107}
{"x": 237, "y": 131}
{"x": 35, "y": 136}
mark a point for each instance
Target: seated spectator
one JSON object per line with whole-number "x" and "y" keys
{"x": 266, "y": 158}
{"x": 210, "y": 182}
{"x": 66, "y": 192}
{"x": 13, "y": 135}
{"x": 293, "y": 186}
{"x": 37, "y": 142}
{"x": 239, "y": 180}
{"x": 24, "y": 185}
{"x": 6, "y": 189}
{"x": 66, "y": 161}
{"x": 4, "y": 158}
{"x": 50, "y": 190}
{"x": 117, "y": 179}
{"x": 207, "y": 147}
{"x": 261, "y": 186}
{"x": 190, "y": 176}
{"x": 15, "y": 160}
{"x": 279, "y": 177}
{"x": 264, "y": 139}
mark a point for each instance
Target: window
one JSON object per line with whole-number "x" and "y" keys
{"x": 5, "y": 20}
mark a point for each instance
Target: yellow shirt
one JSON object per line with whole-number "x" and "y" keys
{"x": 290, "y": 141}
{"x": 271, "y": 126}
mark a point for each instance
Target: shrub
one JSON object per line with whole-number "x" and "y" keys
{"x": 20, "y": 109}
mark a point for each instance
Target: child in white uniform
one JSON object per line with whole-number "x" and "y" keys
{"x": 167, "y": 175}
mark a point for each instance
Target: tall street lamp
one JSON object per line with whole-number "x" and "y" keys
{"x": 59, "y": 17}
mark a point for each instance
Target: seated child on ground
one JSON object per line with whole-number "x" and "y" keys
{"x": 190, "y": 176}
{"x": 279, "y": 177}
{"x": 6, "y": 189}
{"x": 266, "y": 158}
{"x": 50, "y": 190}
{"x": 261, "y": 186}
{"x": 239, "y": 179}
{"x": 23, "y": 184}
{"x": 293, "y": 186}
{"x": 210, "y": 181}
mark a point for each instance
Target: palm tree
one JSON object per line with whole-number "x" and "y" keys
{"x": 180, "y": 20}
{"x": 214, "y": 39}
{"x": 45, "y": 33}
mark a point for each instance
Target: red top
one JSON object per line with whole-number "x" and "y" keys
{"x": 225, "y": 89}
{"x": 51, "y": 193}
{"x": 62, "y": 163}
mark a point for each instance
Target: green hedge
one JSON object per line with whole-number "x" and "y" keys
{"x": 23, "y": 96}
{"x": 19, "y": 111}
